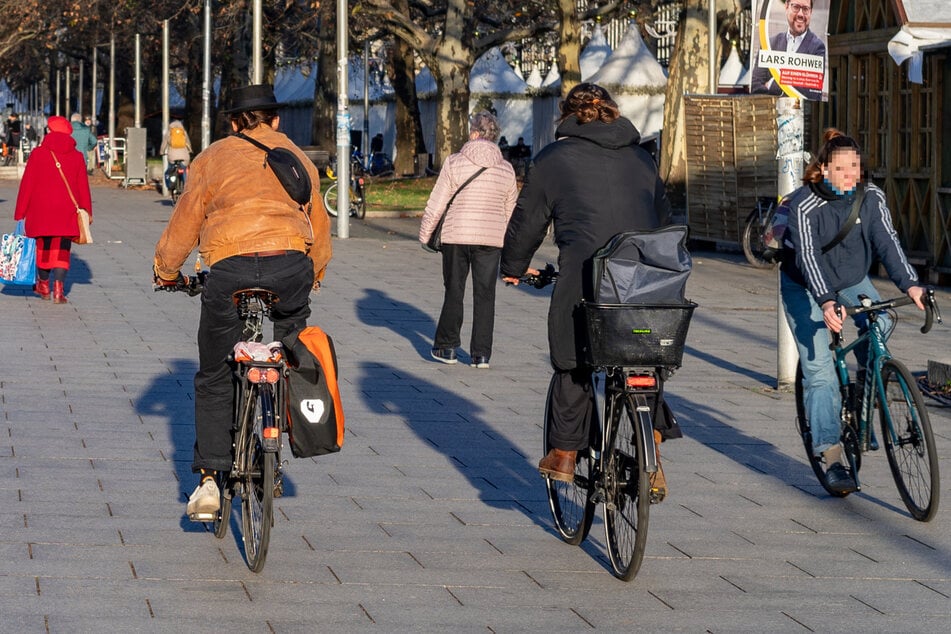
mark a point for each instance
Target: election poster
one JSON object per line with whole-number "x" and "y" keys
{"x": 789, "y": 49}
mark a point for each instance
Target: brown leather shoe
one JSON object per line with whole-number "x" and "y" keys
{"x": 559, "y": 465}
{"x": 658, "y": 481}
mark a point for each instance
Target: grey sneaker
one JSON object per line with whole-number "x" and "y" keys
{"x": 445, "y": 355}
{"x": 204, "y": 503}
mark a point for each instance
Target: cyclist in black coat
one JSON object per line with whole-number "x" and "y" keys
{"x": 592, "y": 183}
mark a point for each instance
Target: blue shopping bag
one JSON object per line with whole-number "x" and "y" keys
{"x": 17, "y": 258}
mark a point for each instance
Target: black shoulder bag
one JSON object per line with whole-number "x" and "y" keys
{"x": 288, "y": 169}
{"x": 434, "y": 244}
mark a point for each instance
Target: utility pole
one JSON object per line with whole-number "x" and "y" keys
{"x": 343, "y": 125}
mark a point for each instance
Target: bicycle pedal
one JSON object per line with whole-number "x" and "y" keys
{"x": 203, "y": 517}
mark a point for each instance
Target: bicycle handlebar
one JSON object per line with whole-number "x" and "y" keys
{"x": 546, "y": 276}
{"x": 932, "y": 313}
{"x": 191, "y": 284}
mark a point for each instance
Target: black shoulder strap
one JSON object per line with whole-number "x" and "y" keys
{"x": 261, "y": 146}
{"x": 850, "y": 221}
{"x": 463, "y": 186}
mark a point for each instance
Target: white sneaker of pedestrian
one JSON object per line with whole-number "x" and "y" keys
{"x": 204, "y": 502}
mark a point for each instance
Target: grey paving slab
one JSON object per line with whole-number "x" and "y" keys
{"x": 433, "y": 517}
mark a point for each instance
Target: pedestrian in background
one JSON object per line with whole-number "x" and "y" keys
{"x": 85, "y": 139}
{"x": 472, "y": 237}
{"x": 54, "y": 184}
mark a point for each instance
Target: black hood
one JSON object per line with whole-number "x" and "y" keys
{"x": 617, "y": 134}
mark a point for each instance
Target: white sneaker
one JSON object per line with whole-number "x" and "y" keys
{"x": 204, "y": 503}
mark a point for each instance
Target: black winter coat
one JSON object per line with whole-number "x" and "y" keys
{"x": 592, "y": 183}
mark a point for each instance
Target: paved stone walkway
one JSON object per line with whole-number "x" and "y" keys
{"x": 433, "y": 517}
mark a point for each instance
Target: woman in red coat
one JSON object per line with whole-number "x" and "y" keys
{"x": 48, "y": 198}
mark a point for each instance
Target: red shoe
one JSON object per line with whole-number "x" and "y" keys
{"x": 559, "y": 465}
{"x": 59, "y": 293}
{"x": 42, "y": 288}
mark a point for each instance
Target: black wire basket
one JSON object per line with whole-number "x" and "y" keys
{"x": 623, "y": 335}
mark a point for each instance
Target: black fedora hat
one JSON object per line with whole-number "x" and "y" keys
{"x": 254, "y": 97}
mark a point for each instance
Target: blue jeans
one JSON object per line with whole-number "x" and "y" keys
{"x": 821, "y": 395}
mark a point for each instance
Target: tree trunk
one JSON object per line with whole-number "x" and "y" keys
{"x": 689, "y": 72}
{"x": 409, "y": 130}
{"x": 454, "y": 60}
{"x": 323, "y": 126}
{"x": 569, "y": 47}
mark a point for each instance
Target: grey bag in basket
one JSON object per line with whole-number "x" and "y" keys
{"x": 642, "y": 267}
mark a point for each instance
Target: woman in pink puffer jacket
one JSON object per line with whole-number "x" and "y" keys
{"x": 472, "y": 236}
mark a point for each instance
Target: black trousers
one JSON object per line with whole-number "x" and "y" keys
{"x": 571, "y": 408}
{"x": 457, "y": 260}
{"x": 291, "y": 277}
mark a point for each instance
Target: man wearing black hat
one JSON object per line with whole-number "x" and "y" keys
{"x": 251, "y": 234}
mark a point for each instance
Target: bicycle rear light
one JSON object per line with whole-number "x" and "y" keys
{"x": 263, "y": 375}
{"x": 271, "y": 432}
{"x": 642, "y": 381}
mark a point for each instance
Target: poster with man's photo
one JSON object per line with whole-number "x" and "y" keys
{"x": 789, "y": 51}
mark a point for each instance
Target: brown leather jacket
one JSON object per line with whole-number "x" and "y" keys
{"x": 233, "y": 204}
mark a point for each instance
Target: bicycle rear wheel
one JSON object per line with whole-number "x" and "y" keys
{"x": 627, "y": 488}
{"x": 572, "y": 507}
{"x": 224, "y": 513}
{"x": 358, "y": 202}
{"x": 849, "y": 439}
{"x": 909, "y": 441}
{"x": 257, "y": 477}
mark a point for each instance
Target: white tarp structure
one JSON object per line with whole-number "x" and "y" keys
{"x": 8, "y": 98}
{"x": 912, "y": 40}
{"x": 492, "y": 77}
{"x": 426, "y": 97}
{"x": 637, "y": 82}
{"x": 595, "y": 52}
{"x": 733, "y": 72}
{"x": 294, "y": 86}
{"x": 534, "y": 78}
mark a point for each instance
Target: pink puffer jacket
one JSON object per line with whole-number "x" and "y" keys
{"x": 480, "y": 213}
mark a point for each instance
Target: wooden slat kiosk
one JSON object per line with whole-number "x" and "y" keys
{"x": 731, "y": 161}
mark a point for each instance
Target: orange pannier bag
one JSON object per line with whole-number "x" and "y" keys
{"x": 314, "y": 411}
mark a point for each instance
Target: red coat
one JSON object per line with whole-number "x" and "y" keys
{"x": 43, "y": 199}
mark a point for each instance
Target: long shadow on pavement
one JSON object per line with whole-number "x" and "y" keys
{"x": 457, "y": 428}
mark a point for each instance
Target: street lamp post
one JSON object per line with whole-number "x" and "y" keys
{"x": 343, "y": 125}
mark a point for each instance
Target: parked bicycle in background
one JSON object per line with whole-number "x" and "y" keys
{"x": 358, "y": 189}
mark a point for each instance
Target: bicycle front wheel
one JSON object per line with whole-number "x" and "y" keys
{"x": 330, "y": 200}
{"x": 572, "y": 507}
{"x": 627, "y": 489}
{"x": 257, "y": 504}
{"x": 909, "y": 441}
{"x": 752, "y": 240}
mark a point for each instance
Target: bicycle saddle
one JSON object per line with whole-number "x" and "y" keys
{"x": 267, "y": 297}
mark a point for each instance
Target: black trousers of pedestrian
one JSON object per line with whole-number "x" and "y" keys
{"x": 457, "y": 260}
{"x": 291, "y": 277}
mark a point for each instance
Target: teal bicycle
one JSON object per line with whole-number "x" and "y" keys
{"x": 889, "y": 388}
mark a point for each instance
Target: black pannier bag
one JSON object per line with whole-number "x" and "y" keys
{"x": 314, "y": 411}
{"x": 637, "y": 314}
